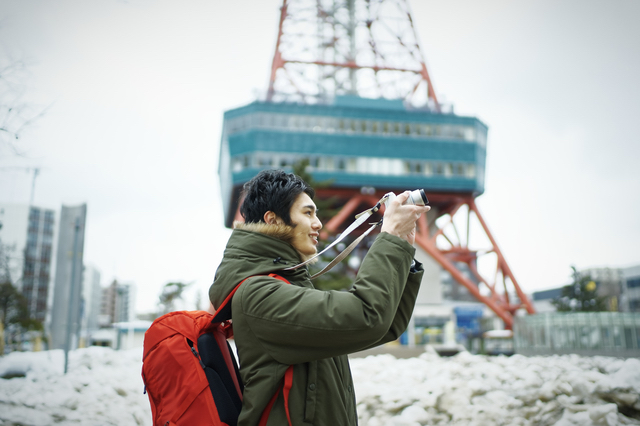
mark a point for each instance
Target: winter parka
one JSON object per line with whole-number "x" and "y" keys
{"x": 277, "y": 324}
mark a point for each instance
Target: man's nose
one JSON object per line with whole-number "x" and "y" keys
{"x": 317, "y": 224}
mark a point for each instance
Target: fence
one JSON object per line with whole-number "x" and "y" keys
{"x": 584, "y": 333}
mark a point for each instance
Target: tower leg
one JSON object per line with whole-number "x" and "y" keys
{"x": 494, "y": 285}
{"x": 443, "y": 243}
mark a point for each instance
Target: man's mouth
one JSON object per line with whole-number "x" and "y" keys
{"x": 314, "y": 237}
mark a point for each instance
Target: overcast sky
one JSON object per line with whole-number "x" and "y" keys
{"x": 135, "y": 91}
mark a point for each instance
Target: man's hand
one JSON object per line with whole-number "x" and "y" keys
{"x": 400, "y": 220}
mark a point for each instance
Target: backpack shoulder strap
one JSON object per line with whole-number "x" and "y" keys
{"x": 223, "y": 313}
{"x": 286, "y": 388}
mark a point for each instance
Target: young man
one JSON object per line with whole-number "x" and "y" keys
{"x": 277, "y": 324}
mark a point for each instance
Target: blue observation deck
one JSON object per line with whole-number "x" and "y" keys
{"x": 355, "y": 142}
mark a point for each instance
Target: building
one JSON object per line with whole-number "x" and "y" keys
{"x": 118, "y": 303}
{"x": 630, "y": 301}
{"x": 125, "y": 305}
{"x": 609, "y": 282}
{"x": 91, "y": 302}
{"x": 67, "y": 291}
{"x": 355, "y": 143}
{"x": 130, "y": 334}
{"x": 613, "y": 333}
{"x": 614, "y": 284}
{"x": 452, "y": 291}
{"x": 26, "y": 233}
{"x": 542, "y": 300}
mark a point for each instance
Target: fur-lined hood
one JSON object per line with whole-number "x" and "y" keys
{"x": 256, "y": 249}
{"x": 281, "y": 232}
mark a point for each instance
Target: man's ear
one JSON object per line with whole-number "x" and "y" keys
{"x": 271, "y": 218}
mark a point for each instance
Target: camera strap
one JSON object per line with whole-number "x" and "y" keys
{"x": 360, "y": 219}
{"x": 346, "y": 251}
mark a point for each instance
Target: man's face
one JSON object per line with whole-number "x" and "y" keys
{"x": 307, "y": 225}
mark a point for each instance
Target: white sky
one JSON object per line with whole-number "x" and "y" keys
{"x": 136, "y": 91}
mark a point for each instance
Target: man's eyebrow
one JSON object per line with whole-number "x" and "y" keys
{"x": 310, "y": 206}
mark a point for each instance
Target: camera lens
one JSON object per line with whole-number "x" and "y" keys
{"x": 418, "y": 197}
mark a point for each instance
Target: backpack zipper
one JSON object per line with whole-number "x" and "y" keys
{"x": 195, "y": 353}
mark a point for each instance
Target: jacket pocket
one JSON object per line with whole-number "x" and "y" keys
{"x": 312, "y": 391}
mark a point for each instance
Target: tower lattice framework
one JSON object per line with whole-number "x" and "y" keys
{"x": 340, "y": 47}
{"x": 369, "y": 48}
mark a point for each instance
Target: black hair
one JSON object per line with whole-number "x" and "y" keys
{"x": 272, "y": 190}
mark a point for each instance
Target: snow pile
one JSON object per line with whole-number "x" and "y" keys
{"x": 104, "y": 387}
{"x": 478, "y": 390}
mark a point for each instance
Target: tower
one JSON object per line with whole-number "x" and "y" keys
{"x": 349, "y": 91}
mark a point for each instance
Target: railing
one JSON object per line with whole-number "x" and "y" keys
{"x": 584, "y": 333}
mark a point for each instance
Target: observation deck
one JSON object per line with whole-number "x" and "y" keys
{"x": 355, "y": 142}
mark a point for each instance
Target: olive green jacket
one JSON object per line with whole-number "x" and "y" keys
{"x": 276, "y": 324}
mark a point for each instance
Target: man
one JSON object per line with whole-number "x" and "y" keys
{"x": 278, "y": 324}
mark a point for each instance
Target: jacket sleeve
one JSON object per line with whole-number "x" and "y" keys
{"x": 297, "y": 324}
{"x": 405, "y": 309}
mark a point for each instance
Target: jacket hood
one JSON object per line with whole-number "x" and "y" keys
{"x": 256, "y": 249}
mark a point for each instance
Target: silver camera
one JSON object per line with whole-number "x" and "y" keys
{"x": 416, "y": 197}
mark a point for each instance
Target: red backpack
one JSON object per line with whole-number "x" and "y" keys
{"x": 190, "y": 373}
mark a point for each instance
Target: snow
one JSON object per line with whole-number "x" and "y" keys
{"x": 104, "y": 387}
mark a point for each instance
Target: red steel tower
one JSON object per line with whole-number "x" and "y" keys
{"x": 368, "y": 50}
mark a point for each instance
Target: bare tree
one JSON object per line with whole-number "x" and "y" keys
{"x": 16, "y": 113}
{"x": 171, "y": 293}
{"x": 14, "y": 315}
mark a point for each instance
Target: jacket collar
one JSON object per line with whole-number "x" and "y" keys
{"x": 281, "y": 232}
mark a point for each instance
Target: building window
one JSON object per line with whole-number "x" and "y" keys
{"x": 429, "y": 130}
{"x": 471, "y": 171}
{"x": 448, "y": 169}
{"x": 237, "y": 165}
{"x": 264, "y": 160}
{"x": 633, "y": 282}
{"x": 331, "y": 124}
{"x": 469, "y": 134}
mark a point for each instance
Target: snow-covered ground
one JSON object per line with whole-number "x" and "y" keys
{"x": 104, "y": 387}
